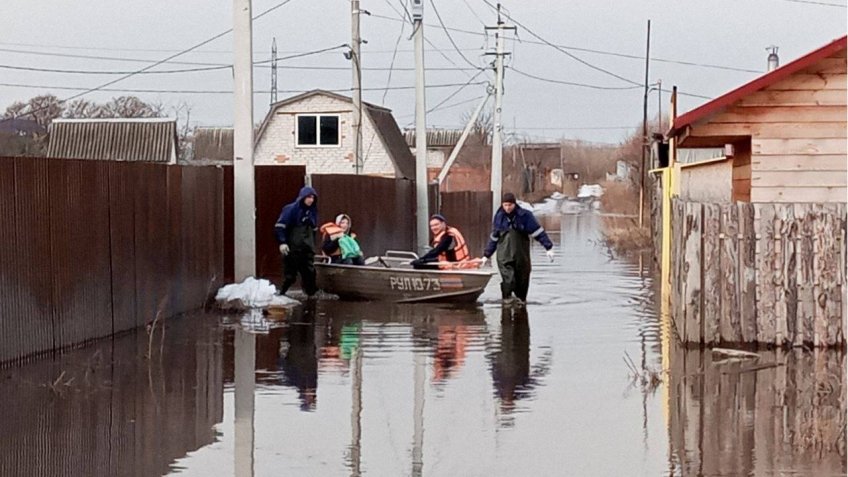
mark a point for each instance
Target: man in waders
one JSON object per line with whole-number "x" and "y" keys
{"x": 295, "y": 230}
{"x": 512, "y": 229}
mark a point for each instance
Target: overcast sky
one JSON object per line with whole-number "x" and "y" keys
{"x": 727, "y": 33}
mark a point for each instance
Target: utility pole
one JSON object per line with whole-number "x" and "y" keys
{"x": 497, "y": 145}
{"x": 356, "y": 42}
{"x": 245, "y": 206}
{"x": 244, "y": 379}
{"x": 644, "y": 172}
{"x": 422, "y": 201}
{"x": 274, "y": 70}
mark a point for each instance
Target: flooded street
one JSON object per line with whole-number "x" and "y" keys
{"x": 389, "y": 390}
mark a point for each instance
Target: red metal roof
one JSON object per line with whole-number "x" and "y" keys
{"x": 763, "y": 81}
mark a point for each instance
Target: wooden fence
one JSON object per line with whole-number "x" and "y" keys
{"x": 768, "y": 274}
{"x": 93, "y": 248}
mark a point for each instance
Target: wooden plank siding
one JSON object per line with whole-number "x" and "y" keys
{"x": 790, "y": 137}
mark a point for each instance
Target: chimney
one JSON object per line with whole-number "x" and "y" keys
{"x": 773, "y": 59}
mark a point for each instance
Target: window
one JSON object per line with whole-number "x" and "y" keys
{"x": 317, "y": 130}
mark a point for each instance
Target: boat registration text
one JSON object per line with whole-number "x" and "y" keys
{"x": 414, "y": 284}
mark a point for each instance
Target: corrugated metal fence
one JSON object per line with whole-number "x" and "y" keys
{"x": 771, "y": 274}
{"x": 382, "y": 210}
{"x": 274, "y": 186}
{"x": 92, "y": 248}
{"x": 469, "y": 212}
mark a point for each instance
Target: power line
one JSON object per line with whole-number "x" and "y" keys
{"x": 474, "y": 12}
{"x": 153, "y": 65}
{"x": 447, "y": 33}
{"x": 599, "y": 52}
{"x": 101, "y": 72}
{"x": 392, "y": 64}
{"x": 570, "y": 83}
{"x": 562, "y": 50}
{"x": 824, "y": 4}
{"x": 459, "y": 90}
{"x": 226, "y": 91}
{"x": 426, "y": 40}
{"x": 448, "y": 106}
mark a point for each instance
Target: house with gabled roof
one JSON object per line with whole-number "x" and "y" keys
{"x": 315, "y": 129}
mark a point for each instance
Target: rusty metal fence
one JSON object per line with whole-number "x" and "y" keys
{"x": 92, "y": 248}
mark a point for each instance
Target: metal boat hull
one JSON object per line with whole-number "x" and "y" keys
{"x": 401, "y": 285}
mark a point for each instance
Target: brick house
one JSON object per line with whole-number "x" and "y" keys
{"x": 314, "y": 129}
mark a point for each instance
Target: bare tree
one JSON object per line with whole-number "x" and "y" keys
{"x": 44, "y": 109}
{"x": 83, "y": 108}
{"x": 185, "y": 133}
{"x": 132, "y": 107}
{"x": 15, "y": 109}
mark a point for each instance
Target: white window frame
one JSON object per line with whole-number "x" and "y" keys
{"x": 318, "y": 117}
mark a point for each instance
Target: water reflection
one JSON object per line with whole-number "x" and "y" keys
{"x": 373, "y": 389}
{"x": 784, "y": 411}
{"x": 512, "y": 374}
{"x": 131, "y": 406}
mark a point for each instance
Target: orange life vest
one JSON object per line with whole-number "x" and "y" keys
{"x": 329, "y": 229}
{"x": 460, "y": 248}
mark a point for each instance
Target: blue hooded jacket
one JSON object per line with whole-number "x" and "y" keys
{"x": 522, "y": 220}
{"x": 297, "y": 214}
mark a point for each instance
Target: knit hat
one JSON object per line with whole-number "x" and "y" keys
{"x": 509, "y": 197}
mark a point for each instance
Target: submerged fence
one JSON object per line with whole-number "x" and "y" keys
{"x": 786, "y": 410}
{"x": 771, "y": 274}
{"x": 93, "y": 248}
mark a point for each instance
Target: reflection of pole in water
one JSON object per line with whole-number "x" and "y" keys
{"x": 245, "y": 381}
{"x": 418, "y": 411}
{"x": 356, "y": 413}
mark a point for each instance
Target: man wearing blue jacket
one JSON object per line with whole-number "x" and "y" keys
{"x": 512, "y": 229}
{"x": 295, "y": 230}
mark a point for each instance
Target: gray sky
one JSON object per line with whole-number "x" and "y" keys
{"x": 731, "y": 33}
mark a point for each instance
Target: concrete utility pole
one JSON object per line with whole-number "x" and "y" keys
{"x": 422, "y": 201}
{"x": 245, "y": 204}
{"x": 644, "y": 144}
{"x": 497, "y": 143}
{"x": 274, "y": 70}
{"x": 356, "y": 42}
{"x": 244, "y": 343}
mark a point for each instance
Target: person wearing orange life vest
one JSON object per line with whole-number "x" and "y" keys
{"x": 448, "y": 245}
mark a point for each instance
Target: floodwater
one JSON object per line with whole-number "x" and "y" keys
{"x": 381, "y": 390}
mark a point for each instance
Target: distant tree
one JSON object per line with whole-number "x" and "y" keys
{"x": 44, "y": 109}
{"x": 132, "y": 107}
{"x": 83, "y": 108}
{"x": 14, "y": 110}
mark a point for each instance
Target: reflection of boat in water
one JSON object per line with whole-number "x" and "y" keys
{"x": 391, "y": 278}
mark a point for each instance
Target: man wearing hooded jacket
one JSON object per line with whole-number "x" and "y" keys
{"x": 512, "y": 229}
{"x": 295, "y": 230}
